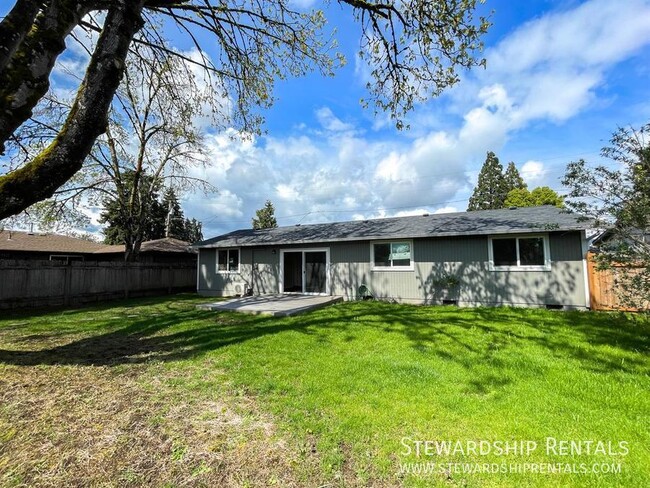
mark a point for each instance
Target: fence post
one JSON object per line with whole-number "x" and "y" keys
{"x": 126, "y": 279}
{"x": 67, "y": 278}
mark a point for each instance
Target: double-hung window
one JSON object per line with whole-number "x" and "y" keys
{"x": 529, "y": 252}
{"x": 396, "y": 255}
{"x": 227, "y": 260}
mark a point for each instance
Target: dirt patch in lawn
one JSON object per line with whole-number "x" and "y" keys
{"x": 91, "y": 426}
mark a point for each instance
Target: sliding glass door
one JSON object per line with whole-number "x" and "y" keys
{"x": 305, "y": 271}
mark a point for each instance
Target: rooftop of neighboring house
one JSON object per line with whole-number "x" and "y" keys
{"x": 21, "y": 241}
{"x": 15, "y": 240}
{"x": 166, "y": 244}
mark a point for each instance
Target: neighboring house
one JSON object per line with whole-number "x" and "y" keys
{"x": 53, "y": 247}
{"x": 532, "y": 256}
{"x": 42, "y": 246}
{"x": 166, "y": 250}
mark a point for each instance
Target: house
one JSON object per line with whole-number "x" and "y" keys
{"x": 165, "y": 250}
{"x": 522, "y": 256}
{"x": 21, "y": 245}
{"x": 40, "y": 246}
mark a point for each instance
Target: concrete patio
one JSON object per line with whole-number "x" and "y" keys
{"x": 276, "y": 305}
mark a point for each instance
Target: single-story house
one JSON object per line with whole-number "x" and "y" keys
{"x": 166, "y": 250}
{"x": 43, "y": 246}
{"x": 532, "y": 256}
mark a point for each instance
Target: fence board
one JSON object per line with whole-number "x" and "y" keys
{"x": 602, "y": 287}
{"x": 45, "y": 283}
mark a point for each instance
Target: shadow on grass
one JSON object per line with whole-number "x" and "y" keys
{"x": 466, "y": 336}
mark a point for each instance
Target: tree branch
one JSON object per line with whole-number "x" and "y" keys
{"x": 87, "y": 119}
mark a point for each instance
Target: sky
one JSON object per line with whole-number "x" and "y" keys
{"x": 561, "y": 76}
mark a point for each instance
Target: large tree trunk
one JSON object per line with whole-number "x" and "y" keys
{"x": 26, "y": 78}
{"x": 57, "y": 163}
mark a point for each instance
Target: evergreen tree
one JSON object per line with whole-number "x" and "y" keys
{"x": 134, "y": 217}
{"x": 491, "y": 189}
{"x": 175, "y": 220}
{"x": 176, "y": 225}
{"x": 265, "y": 217}
{"x": 193, "y": 231}
{"x": 153, "y": 217}
{"x": 513, "y": 178}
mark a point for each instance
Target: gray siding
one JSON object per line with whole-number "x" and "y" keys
{"x": 211, "y": 282}
{"x": 464, "y": 257}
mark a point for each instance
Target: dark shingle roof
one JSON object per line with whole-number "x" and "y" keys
{"x": 166, "y": 244}
{"x": 483, "y": 222}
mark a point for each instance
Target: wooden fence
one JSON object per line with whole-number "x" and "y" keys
{"x": 51, "y": 283}
{"x": 602, "y": 287}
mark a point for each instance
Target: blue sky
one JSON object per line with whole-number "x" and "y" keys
{"x": 561, "y": 77}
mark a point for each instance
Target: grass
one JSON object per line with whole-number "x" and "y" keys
{"x": 156, "y": 392}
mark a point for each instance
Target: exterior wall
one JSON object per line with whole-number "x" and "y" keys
{"x": 463, "y": 257}
{"x": 264, "y": 280}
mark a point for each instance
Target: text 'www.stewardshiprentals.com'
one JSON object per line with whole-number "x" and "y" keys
{"x": 431, "y": 468}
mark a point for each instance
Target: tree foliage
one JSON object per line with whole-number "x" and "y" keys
{"x": 176, "y": 225}
{"x": 150, "y": 142}
{"x": 618, "y": 197}
{"x": 414, "y": 49}
{"x": 265, "y": 217}
{"x": 514, "y": 181}
{"x": 491, "y": 188}
{"x": 542, "y": 195}
{"x": 157, "y": 217}
{"x": 143, "y": 221}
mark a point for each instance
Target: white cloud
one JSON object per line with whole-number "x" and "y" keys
{"x": 549, "y": 69}
{"x": 533, "y": 172}
{"x": 552, "y": 66}
{"x": 331, "y": 122}
{"x": 302, "y": 4}
{"x": 447, "y": 209}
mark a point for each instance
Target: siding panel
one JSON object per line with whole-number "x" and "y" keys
{"x": 463, "y": 257}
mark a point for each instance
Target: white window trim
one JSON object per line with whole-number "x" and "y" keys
{"x": 216, "y": 259}
{"x": 547, "y": 253}
{"x": 410, "y": 267}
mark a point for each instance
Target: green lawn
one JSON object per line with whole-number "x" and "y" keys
{"x": 156, "y": 392}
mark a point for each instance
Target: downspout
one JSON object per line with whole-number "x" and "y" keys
{"x": 252, "y": 288}
{"x": 585, "y": 267}
{"x": 198, "y": 268}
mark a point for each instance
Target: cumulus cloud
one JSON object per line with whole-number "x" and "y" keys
{"x": 331, "y": 122}
{"x": 548, "y": 69}
{"x": 552, "y": 66}
{"x": 534, "y": 173}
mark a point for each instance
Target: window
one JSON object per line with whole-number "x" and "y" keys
{"x": 393, "y": 255}
{"x": 228, "y": 260}
{"x": 525, "y": 252}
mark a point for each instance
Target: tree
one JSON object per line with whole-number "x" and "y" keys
{"x": 150, "y": 139}
{"x": 156, "y": 218}
{"x": 141, "y": 220}
{"x": 491, "y": 189}
{"x": 414, "y": 50}
{"x": 193, "y": 231}
{"x": 265, "y": 217}
{"x": 542, "y": 195}
{"x": 513, "y": 178}
{"x": 174, "y": 220}
{"x": 176, "y": 225}
{"x": 619, "y": 199}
